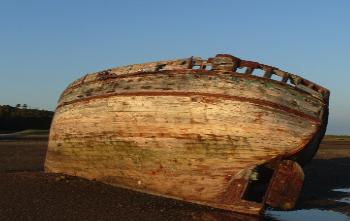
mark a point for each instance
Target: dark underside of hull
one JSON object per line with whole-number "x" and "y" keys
{"x": 306, "y": 154}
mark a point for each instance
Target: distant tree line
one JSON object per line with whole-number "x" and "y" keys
{"x": 20, "y": 118}
{"x": 24, "y": 106}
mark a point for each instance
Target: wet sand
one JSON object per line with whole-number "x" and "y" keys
{"x": 26, "y": 193}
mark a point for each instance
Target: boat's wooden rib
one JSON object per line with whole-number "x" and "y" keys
{"x": 204, "y": 136}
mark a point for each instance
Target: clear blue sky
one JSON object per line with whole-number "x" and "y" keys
{"x": 44, "y": 45}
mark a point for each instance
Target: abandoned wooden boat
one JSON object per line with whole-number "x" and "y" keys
{"x": 210, "y": 132}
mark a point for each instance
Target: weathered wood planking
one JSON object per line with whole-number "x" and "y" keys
{"x": 236, "y": 86}
{"x": 166, "y": 129}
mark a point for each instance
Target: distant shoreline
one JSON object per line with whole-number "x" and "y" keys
{"x": 15, "y": 119}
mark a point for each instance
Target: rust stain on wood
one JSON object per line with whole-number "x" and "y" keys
{"x": 285, "y": 185}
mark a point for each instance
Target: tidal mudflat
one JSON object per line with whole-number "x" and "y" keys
{"x": 27, "y": 193}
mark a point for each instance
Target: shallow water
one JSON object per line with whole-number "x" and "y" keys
{"x": 316, "y": 214}
{"x": 307, "y": 215}
{"x": 345, "y": 200}
{"x": 343, "y": 190}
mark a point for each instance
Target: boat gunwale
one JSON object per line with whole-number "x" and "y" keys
{"x": 221, "y": 63}
{"x": 184, "y": 71}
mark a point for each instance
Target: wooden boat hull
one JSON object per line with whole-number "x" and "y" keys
{"x": 196, "y": 135}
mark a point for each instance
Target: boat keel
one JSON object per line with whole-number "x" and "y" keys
{"x": 276, "y": 184}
